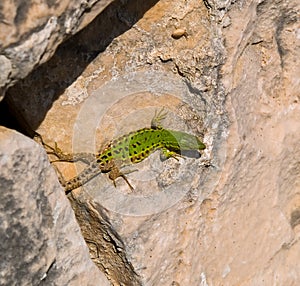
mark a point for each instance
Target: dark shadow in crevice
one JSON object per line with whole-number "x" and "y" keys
{"x": 31, "y": 98}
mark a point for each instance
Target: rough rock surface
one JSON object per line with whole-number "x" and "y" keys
{"x": 258, "y": 206}
{"x": 31, "y": 32}
{"x": 238, "y": 222}
{"x": 41, "y": 243}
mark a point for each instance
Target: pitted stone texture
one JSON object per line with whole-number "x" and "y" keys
{"x": 41, "y": 243}
{"x": 31, "y": 32}
{"x": 245, "y": 230}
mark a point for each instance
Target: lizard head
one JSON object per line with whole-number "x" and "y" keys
{"x": 180, "y": 141}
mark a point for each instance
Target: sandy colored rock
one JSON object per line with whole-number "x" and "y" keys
{"x": 237, "y": 72}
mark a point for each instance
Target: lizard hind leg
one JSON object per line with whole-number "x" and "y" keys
{"x": 115, "y": 173}
{"x": 61, "y": 156}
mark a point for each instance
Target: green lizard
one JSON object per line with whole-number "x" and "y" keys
{"x": 129, "y": 149}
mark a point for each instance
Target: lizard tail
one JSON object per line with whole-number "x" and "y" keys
{"x": 82, "y": 178}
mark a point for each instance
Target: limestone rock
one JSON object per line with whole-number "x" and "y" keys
{"x": 237, "y": 70}
{"x": 41, "y": 243}
{"x": 31, "y": 32}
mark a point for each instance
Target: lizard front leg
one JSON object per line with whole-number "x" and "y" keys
{"x": 158, "y": 118}
{"x": 166, "y": 154}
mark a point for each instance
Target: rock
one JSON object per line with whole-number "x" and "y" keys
{"x": 41, "y": 243}
{"x": 255, "y": 238}
{"x": 238, "y": 221}
{"x": 30, "y": 33}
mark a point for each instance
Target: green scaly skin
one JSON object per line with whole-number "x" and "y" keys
{"x": 132, "y": 148}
